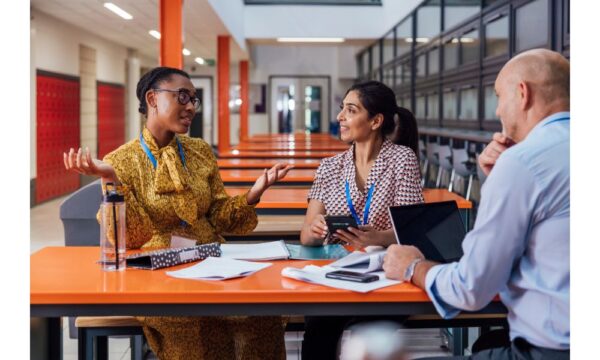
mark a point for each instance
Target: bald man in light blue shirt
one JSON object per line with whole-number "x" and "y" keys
{"x": 519, "y": 247}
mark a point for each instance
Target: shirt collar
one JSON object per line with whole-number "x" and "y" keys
{"x": 549, "y": 119}
{"x": 152, "y": 145}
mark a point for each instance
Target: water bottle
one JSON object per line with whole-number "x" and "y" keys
{"x": 112, "y": 230}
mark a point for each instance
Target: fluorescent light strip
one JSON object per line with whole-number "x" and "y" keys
{"x": 186, "y": 52}
{"x": 419, "y": 40}
{"x": 154, "y": 33}
{"x": 309, "y": 40}
{"x": 117, "y": 10}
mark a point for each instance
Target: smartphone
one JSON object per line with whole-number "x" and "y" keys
{"x": 351, "y": 276}
{"x": 339, "y": 222}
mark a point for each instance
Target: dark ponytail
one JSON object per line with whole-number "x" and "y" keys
{"x": 378, "y": 98}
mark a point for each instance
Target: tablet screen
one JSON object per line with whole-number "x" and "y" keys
{"x": 434, "y": 228}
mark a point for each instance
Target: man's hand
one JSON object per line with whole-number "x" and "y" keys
{"x": 398, "y": 258}
{"x": 491, "y": 153}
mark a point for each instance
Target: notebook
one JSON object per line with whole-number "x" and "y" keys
{"x": 436, "y": 229}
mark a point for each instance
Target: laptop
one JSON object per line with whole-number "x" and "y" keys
{"x": 436, "y": 229}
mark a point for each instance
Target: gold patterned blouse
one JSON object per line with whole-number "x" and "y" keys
{"x": 188, "y": 200}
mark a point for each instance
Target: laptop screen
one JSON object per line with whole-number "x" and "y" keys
{"x": 434, "y": 228}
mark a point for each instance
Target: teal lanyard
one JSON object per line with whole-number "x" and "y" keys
{"x": 367, "y": 205}
{"x": 155, "y": 163}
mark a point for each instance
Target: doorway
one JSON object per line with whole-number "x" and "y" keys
{"x": 299, "y": 104}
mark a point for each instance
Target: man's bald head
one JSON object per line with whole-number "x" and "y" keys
{"x": 546, "y": 72}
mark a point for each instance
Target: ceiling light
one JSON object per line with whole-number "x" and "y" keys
{"x": 117, "y": 10}
{"x": 186, "y": 52}
{"x": 154, "y": 33}
{"x": 200, "y": 60}
{"x": 310, "y": 40}
{"x": 418, "y": 40}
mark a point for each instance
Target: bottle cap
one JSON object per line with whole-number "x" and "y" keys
{"x": 113, "y": 195}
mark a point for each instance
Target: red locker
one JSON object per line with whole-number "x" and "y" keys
{"x": 57, "y": 129}
{"x": 111, "y": 117}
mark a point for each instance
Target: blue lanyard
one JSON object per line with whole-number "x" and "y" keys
{"x": 154, "y": 163}
{"x": 367, "y": 205}
{"x": 153, "y": 159}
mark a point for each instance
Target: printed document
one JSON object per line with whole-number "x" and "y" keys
{"x": 271, "y": 250}
{"x": 218, "y": 268}
{"x": 361, "y": 262}
{"x": 316, "y": 275}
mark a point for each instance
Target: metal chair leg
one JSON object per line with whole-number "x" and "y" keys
{"x": 101, "y": 347}
{"x": 85, "y": 345}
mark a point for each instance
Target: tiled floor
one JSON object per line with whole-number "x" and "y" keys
{"x": 47, "y": 230}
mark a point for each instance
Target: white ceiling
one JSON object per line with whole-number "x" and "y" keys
{"x": 201, "y": 25}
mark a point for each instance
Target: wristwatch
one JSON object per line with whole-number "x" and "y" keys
{"x": 410, "y": 270}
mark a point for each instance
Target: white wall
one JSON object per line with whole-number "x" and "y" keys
{"x": 231, "y": 13}
{"x": 55, "y": 47}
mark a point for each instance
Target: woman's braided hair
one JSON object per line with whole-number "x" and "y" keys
{"x": 150, "y": 80}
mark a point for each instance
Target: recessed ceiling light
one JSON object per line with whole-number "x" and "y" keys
{"x": 117, "y": 10}
{"x": 154, "y": 33}
{"x": 310, "y": 40}
{"x": 186, "y": 52}
{"x": 200, "y": 60}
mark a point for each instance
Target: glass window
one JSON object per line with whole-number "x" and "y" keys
{"x": 400, "y": 100}
{"x": 433, "y": 107}
{"x": 450, "y": 105}
{"x": 421, "y": 63}
{"x": 434, "y": 61}
{"x": 470, "y": 46}
{"x": 388, "y": 76}
{"x": 496, "y": 37}
{"x": 403, "y": 73}
{"x": 531, "y": 25}
{"x": 420, "y": 111}
{"x": 490, "y": 102}
{"x": 404, "y": 37}
{"x": 468, "y": 104}
{"x": 456, "y": 11}
{"x": 428, "y": 21}
{"x": 388, "y": 47}
{"x": 451, "y": 54}
{"x": 399, "y": 80}
{"x": 376, "y": 56}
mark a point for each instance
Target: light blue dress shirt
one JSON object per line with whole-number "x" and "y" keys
{"x": 519, "y": 246}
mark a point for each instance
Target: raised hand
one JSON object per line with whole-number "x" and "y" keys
{"x": 268, "y": 178}
{"x": 84, "y": 164}
{"x": 491, "y": 153}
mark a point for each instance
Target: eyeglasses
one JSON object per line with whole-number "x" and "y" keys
{"x": 184, "y": 97}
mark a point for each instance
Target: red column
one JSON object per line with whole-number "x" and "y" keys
{"x": 245, "y": 100}
{"x": 223, "y": 92}
{"x": 170, "y": 14}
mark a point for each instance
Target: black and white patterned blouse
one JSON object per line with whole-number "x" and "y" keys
{"x": 395, "y": 174}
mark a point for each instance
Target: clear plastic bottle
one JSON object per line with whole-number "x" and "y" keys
{"x": 112, "y": 230}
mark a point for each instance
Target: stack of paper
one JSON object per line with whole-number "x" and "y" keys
{"x": 362, "y": 262}
{"x": 316, "y": 275}
{"x": 271, "y": 250}
{"x": 214, "y": 268}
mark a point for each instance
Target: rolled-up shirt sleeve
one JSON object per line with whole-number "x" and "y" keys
{"x": 493, "y": 247}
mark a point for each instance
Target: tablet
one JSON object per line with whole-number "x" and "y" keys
{"x": 436, "y": 229}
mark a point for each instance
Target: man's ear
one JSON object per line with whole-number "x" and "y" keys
{"x": 525, "y": 95}
{"x": 151, "y": 98}
{"x": 377, "y": 121}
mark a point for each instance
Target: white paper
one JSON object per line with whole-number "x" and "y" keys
{"x": 216, "y": 268}
{"x": 181, "y": 242}
{"x": 316, "y": 275}
{"x": 361, "y": 262}
{"x": 271, "y": 250}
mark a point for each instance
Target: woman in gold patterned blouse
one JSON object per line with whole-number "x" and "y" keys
{"x": 172, "y": 186}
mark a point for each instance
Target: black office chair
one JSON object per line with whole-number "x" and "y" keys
{"x": 78, "y": 215}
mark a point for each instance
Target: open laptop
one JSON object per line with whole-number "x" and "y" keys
{"x": 434, "y": 228}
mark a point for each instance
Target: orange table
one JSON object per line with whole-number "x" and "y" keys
{"x": 291, "y": 146}
{"x": 303, "y": 177}
{"x": 266, "y": 163}
{"x": 285, "y": 200}
{"x": 249, "y": 154}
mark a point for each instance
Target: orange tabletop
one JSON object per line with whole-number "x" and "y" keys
{"x": 296, "y": 198}
{"x": 266, "y": 163}
{"x": 292, "y": 137}
{"x": 70, "y": 275}
{"x": 291, "y": 146}
{"x": 305, "y": 176}
{"x": 276, "y": 154}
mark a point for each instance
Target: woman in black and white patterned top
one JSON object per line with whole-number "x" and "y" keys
{"x": 382, "y": 162}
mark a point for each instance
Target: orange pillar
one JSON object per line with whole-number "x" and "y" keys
{"x": 245, "y": 101}
{"x": 223, "y": 92}
{"x": 171, "y": 29}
